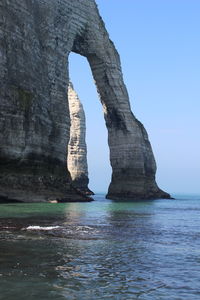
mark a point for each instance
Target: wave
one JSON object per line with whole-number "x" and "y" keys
{"x": 41, "y": 227}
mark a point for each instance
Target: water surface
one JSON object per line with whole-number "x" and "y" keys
{"x": 101, "y": 250}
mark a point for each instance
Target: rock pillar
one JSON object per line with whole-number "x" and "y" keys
{"x": 77, "y": 149}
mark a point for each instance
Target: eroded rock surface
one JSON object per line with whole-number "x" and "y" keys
{"x": 77, "y": 149}
{"x": 36, "y": 38}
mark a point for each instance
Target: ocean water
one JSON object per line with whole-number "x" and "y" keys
{"x": 101, "y": 250}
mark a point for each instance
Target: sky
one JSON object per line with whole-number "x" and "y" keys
{"x": 159, "y": 46}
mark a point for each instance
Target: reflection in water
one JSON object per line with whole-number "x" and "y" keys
{"x": 73, "y": 213}
{"x": 100, "y": 250}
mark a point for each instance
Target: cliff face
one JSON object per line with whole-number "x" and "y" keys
{"x": 36, "y": 38}
{"x": 34, "y": 116}
{"x": 77, "y": 149}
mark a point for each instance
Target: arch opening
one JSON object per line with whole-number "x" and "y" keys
{"x": 96, "y": 136}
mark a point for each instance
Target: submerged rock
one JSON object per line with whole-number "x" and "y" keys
{"x": 77, "y": 149}
{"x": 36, "y": 38}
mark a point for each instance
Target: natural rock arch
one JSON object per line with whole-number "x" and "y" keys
{"x": 35, "y": 42}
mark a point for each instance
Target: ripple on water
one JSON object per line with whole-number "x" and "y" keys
{"x": 114, "y": 251}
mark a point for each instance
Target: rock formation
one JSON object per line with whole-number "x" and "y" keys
{"x": 36, "y": 38}
{"x": 77, "y": 149}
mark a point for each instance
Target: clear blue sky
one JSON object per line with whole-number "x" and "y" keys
{"x": 159, "y": 45}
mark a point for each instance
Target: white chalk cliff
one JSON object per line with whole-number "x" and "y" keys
{"x": 36, "y": 38}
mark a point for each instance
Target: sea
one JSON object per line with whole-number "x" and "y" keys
{"x": 101, "y": 250}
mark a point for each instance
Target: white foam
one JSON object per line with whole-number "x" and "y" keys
{"x": 41, "y": 227}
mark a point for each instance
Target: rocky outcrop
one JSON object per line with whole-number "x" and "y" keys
{"x": 77, "y": 149}
{"x": 36, "y": 38}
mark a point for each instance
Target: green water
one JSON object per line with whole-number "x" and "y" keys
{"x": 101, "y": 250}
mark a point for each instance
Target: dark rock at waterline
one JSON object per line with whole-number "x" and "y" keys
{"x": 139, "y": 197}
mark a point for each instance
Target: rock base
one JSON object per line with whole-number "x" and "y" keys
{"x": 29, "y": 188}
{"x": 135, "y": 197}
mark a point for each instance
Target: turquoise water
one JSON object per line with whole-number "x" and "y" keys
{"x": 101, "y": 250}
